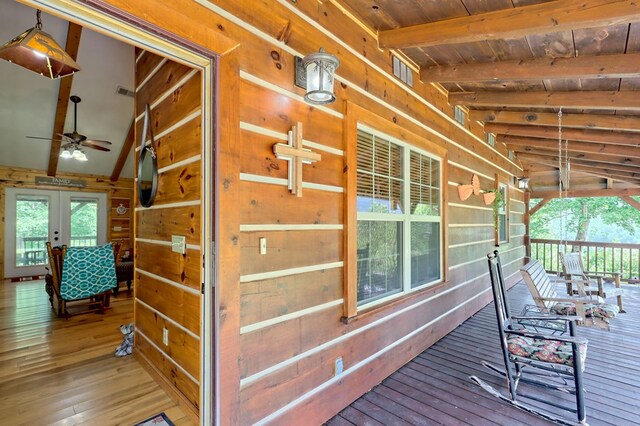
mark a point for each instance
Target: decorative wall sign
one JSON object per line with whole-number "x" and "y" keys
{"x": 296, "y": 156}
{"x": 121, "y": 209}
{"x": 55, "y": 181}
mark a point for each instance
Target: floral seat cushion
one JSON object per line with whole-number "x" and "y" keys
{"x": 544, "y": 350}
{"x": 604, "y": 311}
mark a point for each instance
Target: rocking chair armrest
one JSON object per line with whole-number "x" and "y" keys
{"x": 600, "y": 274}
{"x": 567, "y": 318}
{"x": 582, "y": 300}
{"x": 572, "y": 340}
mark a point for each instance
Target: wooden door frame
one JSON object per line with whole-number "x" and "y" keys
{"x": 121, "y": 20}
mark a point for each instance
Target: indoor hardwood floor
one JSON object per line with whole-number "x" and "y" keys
{"x": 64, "y": 372}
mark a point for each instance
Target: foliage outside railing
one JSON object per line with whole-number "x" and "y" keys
{"x": 597, "y": 257}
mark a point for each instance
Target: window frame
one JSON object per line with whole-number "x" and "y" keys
{"x": 505, "y": 211}
{"x": 406, "y": 218}
{"x": 359, "y": 118}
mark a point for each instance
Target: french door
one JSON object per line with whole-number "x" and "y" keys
{"x": 34, "y": 216}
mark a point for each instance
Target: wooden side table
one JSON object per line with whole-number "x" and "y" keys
{"x": 124, "y": 272}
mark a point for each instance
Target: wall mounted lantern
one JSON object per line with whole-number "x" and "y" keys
{"x": 523, "y": 183}
{"x": 315, "y": 73}
{"x": 37, "y": 51}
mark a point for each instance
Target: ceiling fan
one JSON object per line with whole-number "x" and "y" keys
{"x": 73, "y": 142}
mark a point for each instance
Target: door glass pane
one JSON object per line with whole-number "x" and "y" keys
{"x": 84, "y": 222}
{"x": 32, "y": 229}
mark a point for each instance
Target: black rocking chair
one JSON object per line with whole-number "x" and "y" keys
{"x": 547, "y": 361}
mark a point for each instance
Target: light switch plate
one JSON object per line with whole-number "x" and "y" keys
{"x": 338, "y": 366}
{"x": 165, "y": 336}
{"x": 263, "y": 245}
{"x": 178, "y": 244}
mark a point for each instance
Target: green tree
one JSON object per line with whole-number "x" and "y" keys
{"x": 578, "y": 214}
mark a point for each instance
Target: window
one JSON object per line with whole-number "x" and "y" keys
{"x": 399, "y": 218}
{"x": 503, "y": 214}
{"x": 460, "y": 115}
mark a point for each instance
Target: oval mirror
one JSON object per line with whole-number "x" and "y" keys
{"x": 147, "y": 177}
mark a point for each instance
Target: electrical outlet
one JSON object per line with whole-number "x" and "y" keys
{"x": 338, "y": 366}
{"x": 178, "y": 244}
{"x": 165, "y": 336}
{"x": 263, "y": 245}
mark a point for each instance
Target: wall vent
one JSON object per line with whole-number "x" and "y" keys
{"x": 125, "y": 92}
{"x": 460, "y": 115}
{"x": 402, "y": 71}
{"x": 491, "y": 139}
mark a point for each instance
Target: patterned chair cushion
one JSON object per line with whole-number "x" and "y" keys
{"x": 545, "y": 350}
{"x": 87, "y": 271}
{"x": 599, "y": 310}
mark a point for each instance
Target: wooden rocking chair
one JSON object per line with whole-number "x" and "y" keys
{"x": 592, "y": 309}
{"x": 587, "y": 283}
{"x": 549, "y": 362}
{"x": 80, "y": 273}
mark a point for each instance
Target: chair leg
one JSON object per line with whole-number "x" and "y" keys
{"x": 581, "y": 410}
{"x": 619, "y": 297}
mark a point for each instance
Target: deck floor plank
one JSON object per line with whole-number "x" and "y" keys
{"x": 435, "y": 386}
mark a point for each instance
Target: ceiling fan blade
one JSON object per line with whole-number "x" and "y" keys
{"x": 66, "y": 137}
{"x": 45, "y": 139}
{"x": 37, "y": 137}
{"x": 94, "y": 142}
{"x": 97, "y": 141}
{"x": 98, "y": 147}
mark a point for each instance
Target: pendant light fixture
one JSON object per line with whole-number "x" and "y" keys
{"x": 37, "y": 51}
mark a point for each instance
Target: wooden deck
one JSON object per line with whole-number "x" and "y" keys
{"x": 434, "y": 387}
{"x": 64, "y": 372}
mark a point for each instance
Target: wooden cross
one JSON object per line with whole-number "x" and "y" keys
{"x": 296, "y": 155}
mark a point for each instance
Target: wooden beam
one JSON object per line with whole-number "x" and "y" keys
{"x": 633, "y": 203}
{"x": 581, "y": 135}
{"x": 595, "y": 158}
{"x": 603, "y": 173}
{"x": 581, "y": 193}
{"x": 74, "y": 32}
{"x": 550, "y": 17}
{"x": 124, "y": 152}
{"x": 590, "y": 121}
{"x": 581, "y": 67}
{"x": 549, "y": 156}
{"x": 538, "y": 206}
{"x": 598, "y": 148}
{"x": 604, "y": 100}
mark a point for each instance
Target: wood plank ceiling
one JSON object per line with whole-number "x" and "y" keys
{"x": 515, "y": 63}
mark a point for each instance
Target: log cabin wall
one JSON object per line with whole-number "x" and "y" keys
{"x": 167, "y": 284}
{"x": 286, "y": 308}
{"x": 119, "y": 192}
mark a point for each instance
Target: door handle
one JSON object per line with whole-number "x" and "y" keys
{"x": 55, "y": 238}
{"x": 56, "y": 232}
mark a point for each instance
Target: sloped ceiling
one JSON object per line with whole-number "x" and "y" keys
{"x": 28, "y": 100}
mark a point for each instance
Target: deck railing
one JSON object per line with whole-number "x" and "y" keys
{"x": 597, "y": 257}
{"x": 33, "y": 251}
